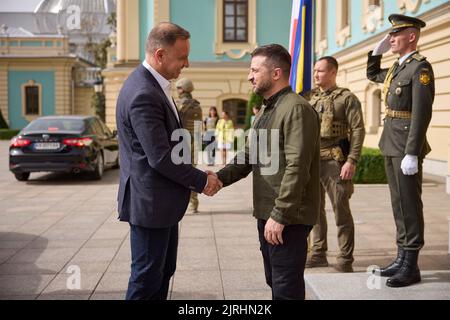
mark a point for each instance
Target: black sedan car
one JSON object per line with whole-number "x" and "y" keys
{"x": 64, "y": 144}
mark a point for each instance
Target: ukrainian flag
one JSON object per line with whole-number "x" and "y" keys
{"x": 300, "y": 45}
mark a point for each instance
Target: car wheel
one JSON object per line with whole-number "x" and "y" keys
{"x": 22, "y": 176}
{"x": 99, "y": 168}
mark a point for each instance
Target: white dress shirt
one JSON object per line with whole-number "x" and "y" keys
{"x": 165, "y": 86}
{"x": 405, "y": 57}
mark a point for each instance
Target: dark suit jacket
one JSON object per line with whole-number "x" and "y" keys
{"x": 412, "y": 89}
{"x": 153, "y": 191}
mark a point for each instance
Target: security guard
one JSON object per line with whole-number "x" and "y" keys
{"x": 191, "y": 119}
{"x": 408, "y": 95}
{"x": 342, "y": 136}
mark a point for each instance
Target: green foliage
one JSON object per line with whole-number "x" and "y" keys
{"x": 254, "y": 100}
{"x": 370, "y": 168}
{"x": 3, "y": 124}
{"x": 7, "y": 134}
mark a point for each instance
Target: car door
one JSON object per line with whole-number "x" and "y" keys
{"x": 105, "y": 136}
{"x": 101, "y": 138}
{"x": 112, "y": 143}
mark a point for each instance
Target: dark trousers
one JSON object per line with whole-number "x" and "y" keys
{"x": 407, "y": 206}
{"x": 284, "y": 265}
{"x": 153, "y": 262}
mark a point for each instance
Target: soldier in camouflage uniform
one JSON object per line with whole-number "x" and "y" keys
{"x": 191, "y": 118}
{"x": 342, "y": 137}
{"x": 408, "y": 95}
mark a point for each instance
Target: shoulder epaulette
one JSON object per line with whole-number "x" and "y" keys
{"x": 338, "y": 91}
{"x": 418, "y": 57}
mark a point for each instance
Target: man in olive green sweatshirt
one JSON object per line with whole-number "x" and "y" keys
{"x": 286, "y": 201}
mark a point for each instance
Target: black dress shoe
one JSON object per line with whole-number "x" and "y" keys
{"x": 408, "y": 274}
{"x": 393, "y": 268}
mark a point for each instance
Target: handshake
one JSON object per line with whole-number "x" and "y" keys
{"x": 214, "y": 184}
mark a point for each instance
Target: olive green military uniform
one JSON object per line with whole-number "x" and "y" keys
{"x": 342, "y": 137}
{"x": 290, "y": 195}
{"x": 191, "y": 119}
{"x": 409, "y": 94}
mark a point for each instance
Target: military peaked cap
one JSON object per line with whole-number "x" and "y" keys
{"x": 400, "y": 22}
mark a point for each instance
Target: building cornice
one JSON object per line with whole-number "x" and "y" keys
{"x": 436, "y": 19}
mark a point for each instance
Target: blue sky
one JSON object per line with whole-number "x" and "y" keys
{"x": 18, "y": 5}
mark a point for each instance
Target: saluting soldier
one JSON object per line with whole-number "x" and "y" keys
{"x": 408, "y": 95}
{"x": 341, "y": 138}
{"x": 191, "y": 118}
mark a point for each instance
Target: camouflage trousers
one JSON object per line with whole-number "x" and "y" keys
{"x": 193, "y": 200}
{"x": 339, "y": 192}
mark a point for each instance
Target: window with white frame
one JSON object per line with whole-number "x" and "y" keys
{"x": 235, "y": 21}
{"x": 343, "y": 21}
{"x": 235, "y": 28}
{"x": 31, "y": 99}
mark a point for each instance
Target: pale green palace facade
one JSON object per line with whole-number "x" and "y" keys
{"x": 349, "y": 29}
{"x": 346, "y": 29}
{"x": 218, "y": 66}
{"x": 39, "y": 77}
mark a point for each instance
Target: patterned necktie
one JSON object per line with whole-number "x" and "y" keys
{"x": 388, "y": 81}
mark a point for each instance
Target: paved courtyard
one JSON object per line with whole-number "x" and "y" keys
{"x": 56, "y": 225}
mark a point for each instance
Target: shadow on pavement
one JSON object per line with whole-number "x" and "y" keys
{"x": 20, "y": 277}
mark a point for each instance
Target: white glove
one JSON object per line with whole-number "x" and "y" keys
{"x": 383, "y": 46}
{"x": 410, "y": 165}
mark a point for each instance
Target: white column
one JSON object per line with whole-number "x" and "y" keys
{"x": 121, "y": 30}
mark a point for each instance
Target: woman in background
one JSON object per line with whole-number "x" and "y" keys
{"x": 209, "y": 138}
{"x": 225, "y": 135}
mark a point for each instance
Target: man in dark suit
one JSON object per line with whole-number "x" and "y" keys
{"x": 154, "y": 185}
{"x": 408, "y": 96}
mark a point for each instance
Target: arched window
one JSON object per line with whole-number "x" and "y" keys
{"x": 373, "y": 109}
{"x": 237, "y": 109}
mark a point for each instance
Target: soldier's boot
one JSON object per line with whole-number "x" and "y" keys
{"x": 317, "y": 261}
{"x": 408, "y": 274}
{"x": 394, "y": 267}
{"x": 343, "y": 267}
{"x": 193, "y": 203}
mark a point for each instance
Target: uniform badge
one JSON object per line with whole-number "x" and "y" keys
{"x": 425, "y": 78}
{"x": 398, "y": 91}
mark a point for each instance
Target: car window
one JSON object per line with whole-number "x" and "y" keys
{"x": 56, "y": 125}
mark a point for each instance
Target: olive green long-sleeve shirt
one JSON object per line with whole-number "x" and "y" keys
{"x": 290, "y": 194}
{"x": 412, "y": 89}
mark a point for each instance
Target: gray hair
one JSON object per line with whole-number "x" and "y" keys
{"x": 164, "y": 35}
